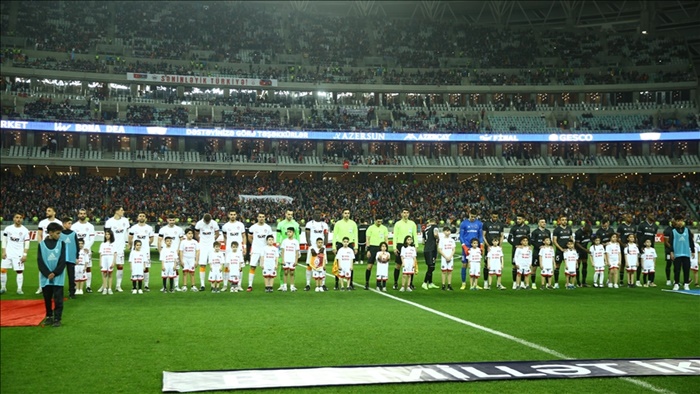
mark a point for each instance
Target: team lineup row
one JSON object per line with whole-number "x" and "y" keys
{"x": 225, "y": 250}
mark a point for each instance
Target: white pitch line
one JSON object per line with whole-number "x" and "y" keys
{"x": 521, "y": 341}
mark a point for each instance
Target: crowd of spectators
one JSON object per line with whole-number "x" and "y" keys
{"x": 328, "y": 45}
{"x": 30, "y": 195}
{"x": 366, "y": 198}
{"x": 248, "y": 117}
{"x": 339, "y": 119}
{"x": 45, "y": 109}
{"x": 147, "y": 115}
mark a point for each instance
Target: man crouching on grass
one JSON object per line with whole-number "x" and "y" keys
{"x": 52, "y": 266}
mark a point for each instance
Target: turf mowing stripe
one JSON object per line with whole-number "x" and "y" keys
{"x": 511, "y": 337}
{"x": 524, "y": 342}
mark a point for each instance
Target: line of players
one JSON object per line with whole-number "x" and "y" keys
{"x": 180, "y": 250}
{"x": 630, "y": 249}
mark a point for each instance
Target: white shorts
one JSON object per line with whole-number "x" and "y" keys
{"x": 383, "y": 270}
{"x": 447, "y": 266}
{"x": 13, "y": 262}
{"x": 345, "y": 273}
{"x": 526, "y": 271}
{"x": 615, "y": 265}
{"x": 474, "y": 270}
{"x": 694, "y": 265}
{"x": 234, "y": 269}
{"x": 105, "y": 263}
{"x": 204, "y": 255}
{"x": 408, "y": 269}
{"x": 80, "y": 275}
{"x": 120, "y": 258}
{"x": 215, "y": 277}
{"x": 318, "y": 273}
{"x": 570, "y": 272}
{"x": 168, "y": 270}
{"x": 88, "y": 261}
{"x": 599, "y": 268}
{"x": 289, "y": 266}
{"x": 269, "y": 273}
{"x": 495, "y": 272}
{"x": 649, "y": 271}
{"x": 631, "y": 268}
{"x": 255, "y": 259}
{"x": 235, "y": 277}
{"x": 546, "y": 272}
{"x": 188, "y": 265}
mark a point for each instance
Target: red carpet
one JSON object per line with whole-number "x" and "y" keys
{"x": 18, "y": 313}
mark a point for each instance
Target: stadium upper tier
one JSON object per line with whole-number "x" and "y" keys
{"x": 206, "y": 39}
{"x": 425, "y": 117}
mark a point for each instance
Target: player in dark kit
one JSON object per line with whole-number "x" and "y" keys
{"x": 667, "y": 251}
{"x": 605, "y": 231}
{"x": 645, "y": 231}
{"x": 492, "y": 229}
{"x": 430, "y": 238}
{"x": 361, "y": 240}
{"x": 623, "y": 231}
{"x": 582, "y": 240}
{"x": 560, "y": 236}
{"x": 537, "y": 240}
{"x": 519, "y": 231}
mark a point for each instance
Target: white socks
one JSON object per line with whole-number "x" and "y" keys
{"x": 146, "y": 278}
{"x": 20, "y": 281}
{"x": 308, "y": 278}
{"x": 120, "y": 275}
{"x": 201, "y": 279}
{"x": 88, "y": 281}
{"x": 251, "y": 277}
{"x": 177, "y": 281}
{"x": 3, "y": 280}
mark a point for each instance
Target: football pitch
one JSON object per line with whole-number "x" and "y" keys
{"x": 122, "y": 343}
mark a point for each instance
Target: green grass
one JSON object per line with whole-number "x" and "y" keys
{"x": 122, "y": 343}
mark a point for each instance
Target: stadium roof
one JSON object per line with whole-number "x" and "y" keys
{"x": 675, "y": 18}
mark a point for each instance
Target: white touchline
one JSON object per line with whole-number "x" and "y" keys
{"x": 529, "y": 344}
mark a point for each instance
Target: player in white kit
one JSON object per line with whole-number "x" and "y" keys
{"x": 120, "y": 228}
{"x": 177, "y": 234}
{"x": 315, "y": 229}
{"x": 233, "y": 230}
{"x": 523, "y": 262}
{"x": 207, "y": 233}
{"x": 257, "y": 239}
{"x": 15, "y": 245}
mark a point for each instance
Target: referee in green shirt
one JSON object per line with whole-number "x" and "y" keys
{"x": 345, "y": 227}
{"x": 376, "y": 234}
{"x": 282, "y": 234}
{"x": 402, "y": 228}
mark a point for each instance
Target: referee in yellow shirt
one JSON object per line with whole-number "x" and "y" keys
{"x": 402, "y": 228}
{"x": 345, "y": 227}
